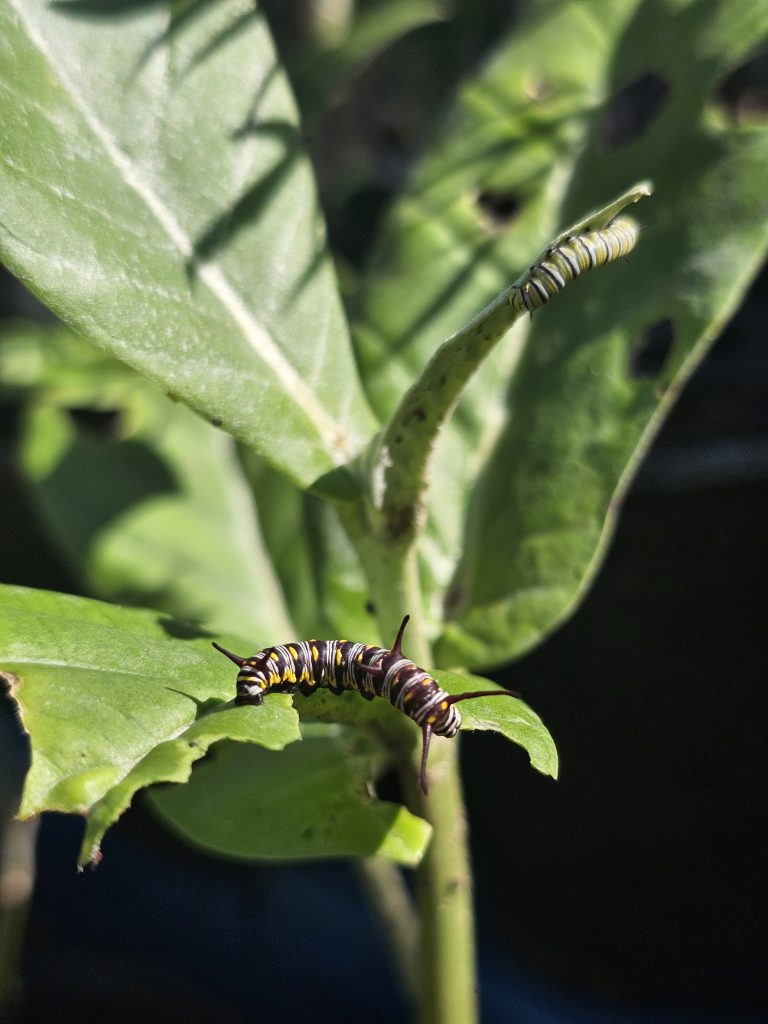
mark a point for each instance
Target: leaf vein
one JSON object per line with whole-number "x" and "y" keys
{"x": 260, "y": 340}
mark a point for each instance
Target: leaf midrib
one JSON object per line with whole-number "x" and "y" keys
{"x": 260, "y": 340}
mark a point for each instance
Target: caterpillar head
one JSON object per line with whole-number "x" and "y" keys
{"x": 251, "y": 679}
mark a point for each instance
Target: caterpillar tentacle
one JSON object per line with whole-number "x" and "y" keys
{"x": 232, "y": 657}
{"x": 340, "y": 665}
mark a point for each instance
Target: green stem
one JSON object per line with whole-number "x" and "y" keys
{"x": 448, "y": 986}
{"x": 409, "y": 437}
{"x": 389, "y": 897}
{"x": 446, "y": 950}
{"x": 402, "y": 460}
{"x": 392, "y": 572}
{"x": 385, "y": 529}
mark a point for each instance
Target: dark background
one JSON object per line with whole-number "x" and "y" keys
{"x": 633, "y": 889}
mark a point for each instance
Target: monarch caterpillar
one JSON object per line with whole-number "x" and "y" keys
{"x": 340, "y": 665}
{"x": 568, "y": 257}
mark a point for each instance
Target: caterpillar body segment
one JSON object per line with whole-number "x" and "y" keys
{"x": 569, "y": 257}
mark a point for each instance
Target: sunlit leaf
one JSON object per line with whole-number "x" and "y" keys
{"x": 115, "y": 699}
{"x": 155, "y": 194}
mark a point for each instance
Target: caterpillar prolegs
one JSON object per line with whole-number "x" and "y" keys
{"x": 341, "y": 665}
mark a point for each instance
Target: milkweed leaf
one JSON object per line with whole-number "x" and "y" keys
{"x": 155, "y": 194}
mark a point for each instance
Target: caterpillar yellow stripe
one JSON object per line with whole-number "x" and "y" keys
{"x": 570, "y": 257}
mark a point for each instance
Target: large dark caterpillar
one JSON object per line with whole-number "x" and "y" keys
{"x": 569, "y": 257}
{"x": 341, "y": 665}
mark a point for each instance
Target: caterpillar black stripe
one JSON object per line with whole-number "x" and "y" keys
{"x": 564, "y": 261}
{"x": 340, "y": 665}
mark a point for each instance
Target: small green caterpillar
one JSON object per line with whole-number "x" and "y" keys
{"x": 566, "y": 259}
{"x": 340, "y": 665}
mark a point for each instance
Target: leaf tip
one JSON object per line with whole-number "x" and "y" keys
{"x": 548, "y": 765}
{"x": 90, "y": 859}
{"x": 641, "y": 189}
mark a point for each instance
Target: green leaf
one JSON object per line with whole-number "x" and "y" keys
{"x": 154, "y": 193}
{"x": 584, "y": 407}
{"x": 483, "y": 202}
{"x": 172, "y": 761}
{"x": 310, "y": 801}
{"x": 113, "y": 699}
{"x": 528, "y": 475}
{"x": 510, "y": 716}
{"x": 151, "y": 509}
{"x": 49, "y": 360}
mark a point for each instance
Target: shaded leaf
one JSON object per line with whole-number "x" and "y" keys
{"x": 330, "y": 68}
{"x": 311, "y": 801}
{"x": 145, "y": 500}
{"x": 172, "y": 760}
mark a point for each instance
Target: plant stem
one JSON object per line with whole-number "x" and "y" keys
{"x": 446, "y": 949}
{"x": 448, "y": 987}
{"x": 408, "y": 439}
{"x": 400, "y": 465}
{"x": 392, "y": 572}
{"x": 388, "y": 895}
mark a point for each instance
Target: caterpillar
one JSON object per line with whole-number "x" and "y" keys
{"x": 340, "y": 665}
{"x": 568, "y": 257}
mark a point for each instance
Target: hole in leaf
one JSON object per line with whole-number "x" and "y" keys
{"x": 8, "y": 682}
{"x": 100, "y": 423}
{"x": 633, "y": 110}
{"x": 388, "y": 786}
{"x": 743, "y": 95}
{"x": 497, "y": 209}
{"x": 649, "y": 353}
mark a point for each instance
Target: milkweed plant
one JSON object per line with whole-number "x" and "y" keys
{"x": 223, "y": 448}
